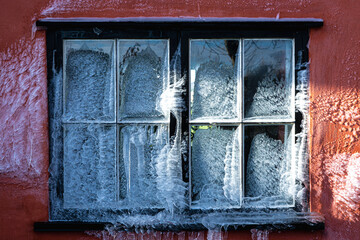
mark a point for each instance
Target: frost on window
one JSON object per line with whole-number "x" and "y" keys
{"x": 143, "y": 77}
{"x": 140, "y": 150}
{"x": 215, "y": 176}
{"x": 213, "y": 66}
{"x": 89, "y": 80}
{"x": 269, "y": 178}
{"x": 268, "y": 83}
{"x": 113, "y": 148}
{"x": 89, "y": 165}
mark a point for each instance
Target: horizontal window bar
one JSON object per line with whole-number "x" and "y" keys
{"x": 88, "y": 122}
{"x": 244, "y": 122}
{"x": 262, "y": 23}
{"x": 118, "y": 123}
{"x": 215, "y": 123}
{"x": 261, "y": 121}
{"x": 143, "y": 122}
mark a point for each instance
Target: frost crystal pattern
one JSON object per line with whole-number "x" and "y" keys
{"x": 89, "y": 165}
{"x": 268, "y": 82}
{"x": 214, "y": 76}
{"x": 268, "y": 155}
{"x": 271, "y": 98}
{"x": 144, "y": 76}
{"x": 264, "y": 165}
{"x": 89, "y": 81}
{"x": 212, "y": 150}
{"x": 141, "y": 148}
{"x": 214, "y": 91}
{"x": 105, "y": 164}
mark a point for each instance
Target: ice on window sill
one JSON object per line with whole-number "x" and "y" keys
{"x": 267, "y": 220}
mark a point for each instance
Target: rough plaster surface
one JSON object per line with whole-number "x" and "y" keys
{"x": 23, "y": 109}
{"x": 334, "y": 132}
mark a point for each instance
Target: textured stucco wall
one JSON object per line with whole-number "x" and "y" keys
{"x": 334, "y": 88}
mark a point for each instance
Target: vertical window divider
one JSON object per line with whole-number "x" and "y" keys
{"x": 117, "y": 142}
{"x": 293, "y": 87}
{"x": 63, "y": 124}
{"x": 240, "y": 80}
{"x": 188, "y": 80}
{"x": 241, "y": 127}
{"x": 63, "y": 79}
{"x": 293, "y": 125}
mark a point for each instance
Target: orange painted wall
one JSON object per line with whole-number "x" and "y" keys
{"x": 335, "y": 104}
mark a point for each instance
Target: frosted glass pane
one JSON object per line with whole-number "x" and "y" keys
{"x": 140, "y": 153}
{"x": 268, "y": 79}
{"x": 268, "y": 161}
{"x": 213, "y": 68}
{"x": 89, "y": 80}
{"x": 215, "y": 167}
{"x": 144, "y": 69}
{"x": 89, "y": 165}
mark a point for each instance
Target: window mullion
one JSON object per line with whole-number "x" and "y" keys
{"x": 117, "y": 168}
{"x": 240, "y": 117}
{"x": 183, "y": 41}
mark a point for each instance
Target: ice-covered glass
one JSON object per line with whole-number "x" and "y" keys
{"x": 89, "y": 80}
{"x": 143, "y": 77}
{"x": 268, "y": 79}
{"x": 215, "y": 167}
{"x": 268, "y": 160}
{"x": 214, "y": 79}
{"x": 142, "y": 151}
{"x": 89, "y": 165}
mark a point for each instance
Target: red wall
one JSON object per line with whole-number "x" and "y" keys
{"x": 335, "y": 104}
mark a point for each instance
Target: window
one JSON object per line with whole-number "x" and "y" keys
{"x": 242, "y": 118}
{"x": 187, "y": 118}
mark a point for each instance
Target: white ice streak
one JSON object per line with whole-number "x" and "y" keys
{"x": 169, "y": 161}
{"x": 169, "y": 180}
{"x": 171, "y": 99}
{"x": 257, "y": 234}
{"x": 232, "y": 179}
{"x": 141, "y": 146}
{"x": 302, "y": 103}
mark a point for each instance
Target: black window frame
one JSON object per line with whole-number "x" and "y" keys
{"x": 179, "y": 33}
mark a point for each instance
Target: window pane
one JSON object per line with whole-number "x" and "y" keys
{"x": 268, "y": 79}
{"x": 268, "y": 165}
{"x": 141, "y": 152}
{"x": 89, "y": 165}
{"x": 215, "y": 167}
{"x": 89, "y": 80}
{"x": 143, "y": 72}
{"x": 213, "y": 68}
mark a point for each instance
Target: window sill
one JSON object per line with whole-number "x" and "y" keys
{"x": 230, "y": 221}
